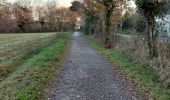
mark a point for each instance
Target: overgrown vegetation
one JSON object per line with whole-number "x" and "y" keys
{"x": 143, "y": 76}
{"x": 152, "y": 9}
{"x": 30, "y": 78}
{"x": 134, "y": 32}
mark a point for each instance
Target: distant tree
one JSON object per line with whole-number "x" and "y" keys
{"x": 152, "y": 9}
{"x": 91, "y": 21}
{"x": 127, "y": 22}
{"x": 134, "y": 21}
{"x": 97, "y": 12}
{"x": 109, "y": 5}
{"x": 76, "y": 6}
{"x": 1, "y": 11}
{"x": 87, "y": 9}
{"x": 59, "y": 18}
{"x": 66, "y": 19}
{"x": 7, "y": 22}
{"x": 1, "y": 7}
{"x": 40, "y": 16}
{"x": 23, "y": 15}
{"x": 140, "y": 24}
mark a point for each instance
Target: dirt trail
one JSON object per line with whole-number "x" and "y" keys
{"x": 88, "y": 76}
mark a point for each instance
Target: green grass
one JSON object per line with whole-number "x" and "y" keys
{"x": 145, "y": 77}
{"x": 30, "y": 79}
{"x": 21, "y": 51}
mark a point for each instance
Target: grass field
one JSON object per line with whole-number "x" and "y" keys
{"x": 143, "y": 76}
{"x": 12, "y": 44}
{"x": 27, "y": 63}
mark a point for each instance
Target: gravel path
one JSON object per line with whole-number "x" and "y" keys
{"x": 87, "y": 76}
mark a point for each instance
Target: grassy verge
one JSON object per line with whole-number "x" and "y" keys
{"x": 143, "y": 76}
{"x": 30, "y": 79}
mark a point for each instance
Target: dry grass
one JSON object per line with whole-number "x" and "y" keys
{"x": 16, "y": 48}
{"x": 136, "y": 49}
{"x": 30, "y": 78}
{"x": 131, "y": 56}
{"x": 11, "y": 44}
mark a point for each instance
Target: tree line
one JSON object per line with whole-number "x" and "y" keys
{"x": 35, "y": 16}
{"x": 106, "y": 16}
{"x": 111, "y": 21}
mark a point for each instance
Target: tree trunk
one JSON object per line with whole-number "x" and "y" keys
{"x": 152, "y": 38}
{"x": 21, "y": 27}
{"x": 107, "y": 40}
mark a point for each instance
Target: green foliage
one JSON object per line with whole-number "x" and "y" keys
{"x": 110, "y": 5}
{"x": 1, "y": 8}
{"x": 156, "y": 8}
{"x": 152, "y": 9}
{"x": 91, "y": 17}
{"x": 127, "y": 22}
{"x": 140, "y": 24}
{"x": 76, "y": 6}
{"x": 134, "y": 21}
{"x": 145, "y": 77}
{"x": 1, "y": 11}
{"x": 91, "y": 22}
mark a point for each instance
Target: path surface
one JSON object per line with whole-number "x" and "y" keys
{"x": 88, "y": 76}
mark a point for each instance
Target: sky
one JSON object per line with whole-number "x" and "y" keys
{"x": 65, "y": 3}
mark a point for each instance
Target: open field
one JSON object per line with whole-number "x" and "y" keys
{"x": 12, "y": 44}
{"x": 26, "y": 63}
{"x": 15, "y": 48}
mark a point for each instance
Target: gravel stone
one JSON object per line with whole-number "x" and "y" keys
{"x": 88, "y": 76}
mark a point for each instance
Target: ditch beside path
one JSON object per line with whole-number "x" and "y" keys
{"x": 88, "y": 76}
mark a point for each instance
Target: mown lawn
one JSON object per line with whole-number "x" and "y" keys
{"x": 143, "y": 76}
{"x": 29, "y": 80}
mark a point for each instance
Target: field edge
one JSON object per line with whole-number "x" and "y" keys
{"x": 30, "y": 81}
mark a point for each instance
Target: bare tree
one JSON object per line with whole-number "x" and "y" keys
{"x": 23, "y": 14}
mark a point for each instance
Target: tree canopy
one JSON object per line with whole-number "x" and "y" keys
{"x": 151, "y": 9}
{"x": 155, "y": 8}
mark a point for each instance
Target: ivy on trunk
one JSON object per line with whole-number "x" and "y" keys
{"x": 152, "y": 9}
{"x": 109, "y": 7}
